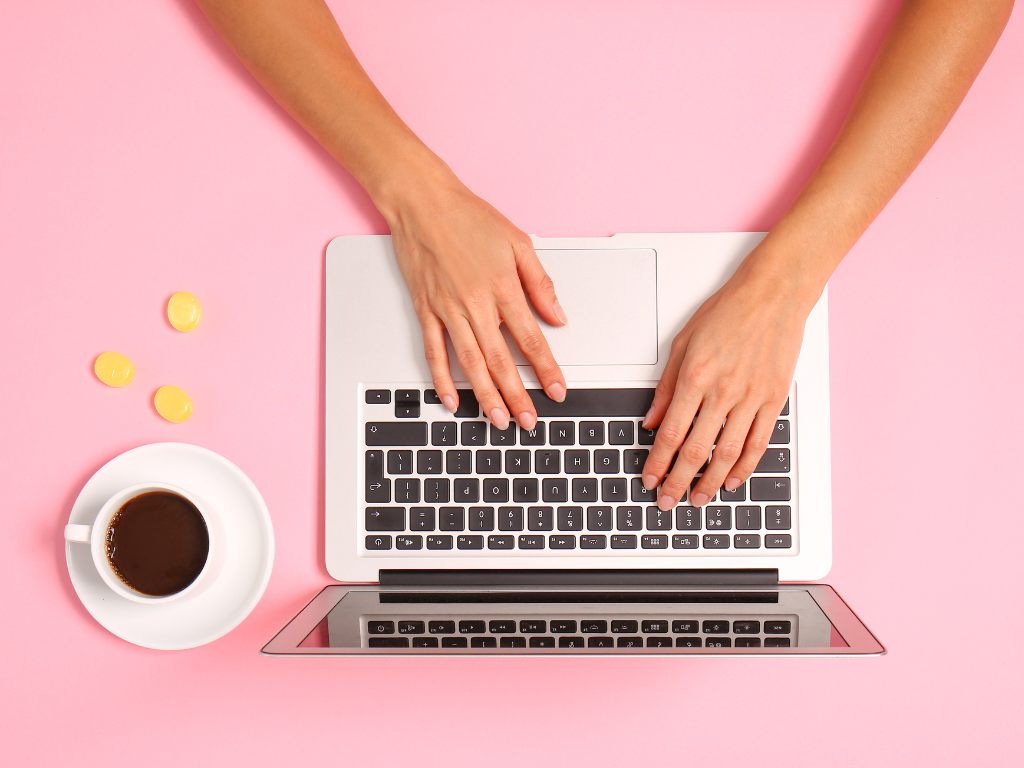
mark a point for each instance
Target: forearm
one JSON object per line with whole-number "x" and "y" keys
{"x": 921, "y": 74}
{"x": 296, "y": 51}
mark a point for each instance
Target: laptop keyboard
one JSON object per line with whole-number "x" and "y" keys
{"x": 442, "y": 484}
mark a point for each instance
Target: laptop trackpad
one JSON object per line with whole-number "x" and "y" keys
{"x": 611, "y": 299}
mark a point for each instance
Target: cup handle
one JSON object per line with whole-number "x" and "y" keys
{"x": 81, "y": 533}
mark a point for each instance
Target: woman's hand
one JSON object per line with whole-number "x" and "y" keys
{"x": 733, "y": 362}
{"x": 469, "y": 269}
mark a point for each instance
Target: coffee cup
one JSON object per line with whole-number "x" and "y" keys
{"x": 103, "y": 540}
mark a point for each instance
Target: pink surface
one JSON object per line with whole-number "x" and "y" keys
{"x": 139, "y": 159}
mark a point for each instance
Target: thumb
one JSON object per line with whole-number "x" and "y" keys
{"x": 538, "y": 285}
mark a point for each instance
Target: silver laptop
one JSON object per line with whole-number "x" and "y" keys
{"x": 453, "y": 537}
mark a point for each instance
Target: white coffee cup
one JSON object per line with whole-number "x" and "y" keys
{"x": 95, "y": 536}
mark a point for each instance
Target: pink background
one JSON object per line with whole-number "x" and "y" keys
{"x": 138, "y": 158}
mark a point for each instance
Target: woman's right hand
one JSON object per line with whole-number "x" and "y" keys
{"x": 469, "y": 269}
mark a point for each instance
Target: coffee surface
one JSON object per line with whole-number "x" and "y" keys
{"x": 157, "y": 543}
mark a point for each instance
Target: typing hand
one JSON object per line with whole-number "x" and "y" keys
{"x": 468, "y": 270}
{"x": 733, "y": 362}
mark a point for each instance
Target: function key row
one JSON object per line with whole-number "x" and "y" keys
{"x": 571, "y": 626}
{"x": 573, "y": 642}
{"x": 655, "y": 541}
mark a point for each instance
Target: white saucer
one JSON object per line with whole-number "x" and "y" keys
{"x": 249, "y": 557}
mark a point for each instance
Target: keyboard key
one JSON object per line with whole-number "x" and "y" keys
{"x": 542, "y": 642}
{"x": 716, "y": 541}
{"x": 388, "y": 642}
{"x": 378, "y": 396}
{"x": 562, "y": 433}
{"x": 488, "y": 462}
{"x": 454, "y": 642}
{"x": 517, "y": 463}
{"x": 469, "y": 542}
{"x": 531, "y": 542}
{"x": 570, "y": 518}
{"x": 746, "y": 627}
{"x": 606, "y": 462}
{"x": 439, "y": 542}
{"x": 472, "y": 627}
{"x": 540, "y": 518}
{"x": 495, "y": 490}
{"x": 593, "y": 542}
{"x": 505, "y": 436}
{"x": 399, "y": 462}
{"x": 748, "y": 642}
{"x": 780, "y": 436}
{"x": 502, "y": 626}
{"x": 459, "y": 462}
{"x": 654, "y": 541}
{"x": 385, "y": 518}
{"x": 380, "y": 627}
{"x": 571, "y": 642}
{"x": 778, "y": 541}
{"x": 547, "y": 462}
{"x": 468, "y": 408}
{"x": 378, "y": 489}
{"x": 624, "y": 541}
{"x": 633, "y": 461}
{"x": 577, "y": 462}
{"x": 396, "y": 433}
{"x": 688, "y": 642}
{"x": 513, "y": 642}
{"x": 600, "y": 642}
{"x": 685, "y": 627}
{"x": 452, "y": 519}
{"x": 747, "y": 541}
{"x": 483, "y": 642}
{"x": 563, "y": 626}
{"x": 431, "y": 397}
{"x": 624, "y": 625}
{"x": 613, "y": 489}
{"x": 474, "y": 432}
{"x": 776, "y": 642}
{"x": 645, "y": 436}
{"x": 534, "y": 436}
{"x": 740, "y": 494}
{"x": 715, "y": 627}
{"x": 481, "y": 518}
{"x": 444, "y": 433}
{"x": 408, "y": 542}
{"x": 684, "y": 541}
{"x": 525, "y": 490}
{"x": 411, "y": 627}
{"x": 501, "y": 542}
{"x": 436, "y": 490}
{"x": 510, "y": 518}
{"x": 630, "y": 642}
{"x": 637, "y": 492}
{"x": 718, "y": 518}
{"x": 554, "y": 490}
{"x": 654, "y": 625}
{"x": 785, "y": 408}
{"x": 687, "y": 518}
{"x": 770, "y": 489}
{"x": 778, "y": 627}
{"x": 441, "y": 627}
{"x": 748, "y": 518}
{"x": 594, "y": 626}
{"x": 659, "y": 519}
{"x": 777, "y": 518}
{"x": 407, "y": 490}
{"x": 428, "y": 462}
{"x": 584, "y": 489}
{"x": 467, "y": 490}
{"x": 717, "y": 642}
{"x": 774, "y": 460}
{"x": 562, "y": 541}
{"x": 599, "y": 518}
{"x": 620, "y": 432}
{"x": 629, "y": 518}
{"x": 659, "y": 642}
{"x": 407, "y": 403}
{"x": 533, "y": 626}
{"x": 591, "y": 433}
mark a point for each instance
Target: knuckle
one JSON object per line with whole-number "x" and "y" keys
{"x": 434, "y": 353}
{"x": 694, "y": 452}
{"x": 697, "y": 378}
{"x": 670, "y": 435}
{"x": 499, "y": 360}
{"x": 532, "y": 344}
{"x": 728, "y": 453}
{"x": 469, "y": 359}
{"x": 505, "y": 290}
{"x": 673, "y": 486}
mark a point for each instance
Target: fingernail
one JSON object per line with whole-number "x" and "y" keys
{"x": 556, "y": 392}
{"x": 666, "y": 503}
{"x": 526, "y": 420}
{"x": 732, "y": 484}
{"x": 650, "y": 482}
{"x": 559, "y": 313}
{"x": 498, "y": 418}
{"x": 449, "y": 402}
{"x": 699, "y": 499}
{"x": 648, "y": 416}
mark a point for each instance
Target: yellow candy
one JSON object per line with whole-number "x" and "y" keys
{"x": 184, "y": 311}
{"x": 113, "y": 369}
{"x": 173, "y": 404}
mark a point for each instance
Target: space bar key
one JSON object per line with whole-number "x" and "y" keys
{"x": 396, "y": 433}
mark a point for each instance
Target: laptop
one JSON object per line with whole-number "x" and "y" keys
{"x": 452, "y": 537}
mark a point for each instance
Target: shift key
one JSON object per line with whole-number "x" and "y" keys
{"x": 770, "y": 489}
{"x": 396, "y": 433}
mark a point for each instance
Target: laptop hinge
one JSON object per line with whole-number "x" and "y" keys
{"x": 652, "y": 577}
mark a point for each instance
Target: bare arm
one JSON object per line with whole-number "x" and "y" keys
{"x": 734, "y": 359}
{"x": 467, "y": 267}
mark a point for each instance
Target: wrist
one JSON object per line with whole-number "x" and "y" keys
{"x": 410, "y": 176}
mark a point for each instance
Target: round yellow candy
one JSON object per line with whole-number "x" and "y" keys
{"x": 184, "y": 311}
{"x": 113, "y": 369}
{"x": 173, "y": 404}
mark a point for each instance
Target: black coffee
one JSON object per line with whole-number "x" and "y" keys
{"x": 157, "y": 543}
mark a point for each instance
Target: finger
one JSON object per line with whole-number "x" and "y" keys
{"x": 671, "y": 434}
{"x": 502, "y": 369}
{"x": 538, "y": 284}
{"x": 471, "y": 359}
{"x": 692, "y": 455}
{"x": 725, "y": 455}
{"x": 666, "y": 388}
{"x": 534, "y": 346}
{"x": 757, "y": 442}
{"x": 436, "y": 352}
